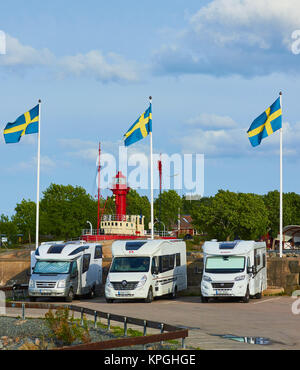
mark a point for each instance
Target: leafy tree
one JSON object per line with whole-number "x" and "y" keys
{"x": 138, "y": 205}
{"x": 8, "y": 228}
{"x": 291, "y": 209}
{"x": 171, "y": 202}
{"x": 65, "y": 210}
{"x": 25, "y": 217}
{"x": 228, "y": 215}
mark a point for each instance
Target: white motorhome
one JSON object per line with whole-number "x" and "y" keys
{"x": 145, "y": 269}
{"x": 234, "y": 269}
{"x": 65, "y": 270}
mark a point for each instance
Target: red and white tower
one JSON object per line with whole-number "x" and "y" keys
{"x": 120, "y": 191}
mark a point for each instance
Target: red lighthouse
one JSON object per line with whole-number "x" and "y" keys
{"x": 120, "y": 191}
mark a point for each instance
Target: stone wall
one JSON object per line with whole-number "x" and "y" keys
{"x": 14, "y": 267}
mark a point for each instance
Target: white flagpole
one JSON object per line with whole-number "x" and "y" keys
{"x": 151, "y": 181}
{"x": 38, "y": 181}
{"x": 280, "y": 201}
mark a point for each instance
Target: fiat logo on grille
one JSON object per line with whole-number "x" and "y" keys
{"x": 124, "y": 283}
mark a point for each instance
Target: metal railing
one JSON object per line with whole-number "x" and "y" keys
{"x": 166, "y": 331}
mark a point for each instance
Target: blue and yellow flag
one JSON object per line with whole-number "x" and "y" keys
{"x": 26, "y": 124}
{"x": 140, "y": 129}
{"x": 267, "y": 123}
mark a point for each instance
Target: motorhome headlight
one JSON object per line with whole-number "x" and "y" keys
{"x": 108, "y": 283}
{"x": 142, "y": 282}
{"x": 31, "y": 283}
{"x": 206, "y": 278}
{"x": 61, "y": 284}
{"x": 239, "y": 278}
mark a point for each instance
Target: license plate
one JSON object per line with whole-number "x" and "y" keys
{"x": 43, "y": 291}
{"x": 222, "y": 292}
{"x": 124, "y": 294}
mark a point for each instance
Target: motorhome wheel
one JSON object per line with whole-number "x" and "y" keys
{"x": 149, "y": 298}
{"x": 70, "y": 296}
{"x": 247, "y": 296}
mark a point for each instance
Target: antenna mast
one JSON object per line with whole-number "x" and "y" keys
{"x": 99, "y": 169}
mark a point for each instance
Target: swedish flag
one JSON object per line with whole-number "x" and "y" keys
{"x": 26, "y": 124}
{"x": 140, "y": 129}
{"x": 267, "y": 123}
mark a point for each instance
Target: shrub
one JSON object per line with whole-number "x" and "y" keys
{"x": 65, "y": 329}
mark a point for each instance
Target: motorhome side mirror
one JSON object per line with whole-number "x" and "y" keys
{"x": 155, "y": 271}
{"x": 251, "y": 270}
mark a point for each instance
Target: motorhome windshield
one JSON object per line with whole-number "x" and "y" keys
{"x": 225, "y": 264}
{"x": 130, "y": 264}
{"x": 52, "y": 267}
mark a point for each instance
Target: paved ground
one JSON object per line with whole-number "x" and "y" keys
{"x": 270, "y": 317}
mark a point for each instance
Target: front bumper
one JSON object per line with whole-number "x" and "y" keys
{"x": 53, "y": 292}
{"x": 238, "y": 290}
{"x": 111, "y": 293}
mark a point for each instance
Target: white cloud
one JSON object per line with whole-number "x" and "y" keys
{"x": 227, "y": 37}
{"x": 47, "y": 164}
{"x": 110, "y": 68}
{"x": 212, "y": 121}
{"x": 233, "y": 142}
{"x": 105, "y": 68}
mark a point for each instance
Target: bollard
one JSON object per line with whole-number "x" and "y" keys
{"x": 125, "y": 326}
{"x": 161, "y": 331}
{"x": 183, "y": 343}
{"x": 81, "y": 319}
{"x": 23, "y": 311}
{"x": 108, "y": 321}
{"x": 95, "y": 319}
{"x": 145, "y": 328}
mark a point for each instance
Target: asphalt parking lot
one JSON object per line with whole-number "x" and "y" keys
{"x": 270, "y": 317}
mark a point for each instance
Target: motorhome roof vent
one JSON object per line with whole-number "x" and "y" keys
{"x": 228, "y": 245}
{"x": 134, "y": 246}
{"x": 56, "y": 249}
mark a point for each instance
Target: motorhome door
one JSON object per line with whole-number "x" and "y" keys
{"x": 86, "y": 260}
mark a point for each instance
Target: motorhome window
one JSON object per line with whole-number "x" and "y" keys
{"x": 172, "y": 261}
{"x": 134, "y": 246}
{"x": 56, "y": 249}
{"x": 166, "y": 263}
{"x": 73, "y": 267}
{"x": 153, "y": 266}
{"x": 86, "y": 262}
{"x": 51, "y": 267}
{"x": 178, "y": 261}
{"x": 76, "y": 251}
{"x": 225, "y": 264}
{"x": 130, "y": 264}
{"x": 98, "y": 252}
{"x": 264, "y": 260}
{"x": 257, "y": 260}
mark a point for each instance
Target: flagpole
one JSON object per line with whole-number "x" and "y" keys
{"x": 280, "y": 201}
{"x": 151, "y": 180}
{"x": 38, "y": 181}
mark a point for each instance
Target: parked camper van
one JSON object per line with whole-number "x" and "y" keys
{"x": 146, "y": 269}
{"x": 234, "y": 269}
{"x": 65, "y": 270}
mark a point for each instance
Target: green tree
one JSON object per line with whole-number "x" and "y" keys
{"x": 65, "y": 211}
{"x": 171, "y": 202}
{"x": 291, "y": 209}
{"x": 25, "y": 217}
{"x": 8, "y": 228}
{"x": 228, "y": 215}
{"x": 138, "y": 205}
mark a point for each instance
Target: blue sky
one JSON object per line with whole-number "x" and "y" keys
{"x": 211, "y": 67}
